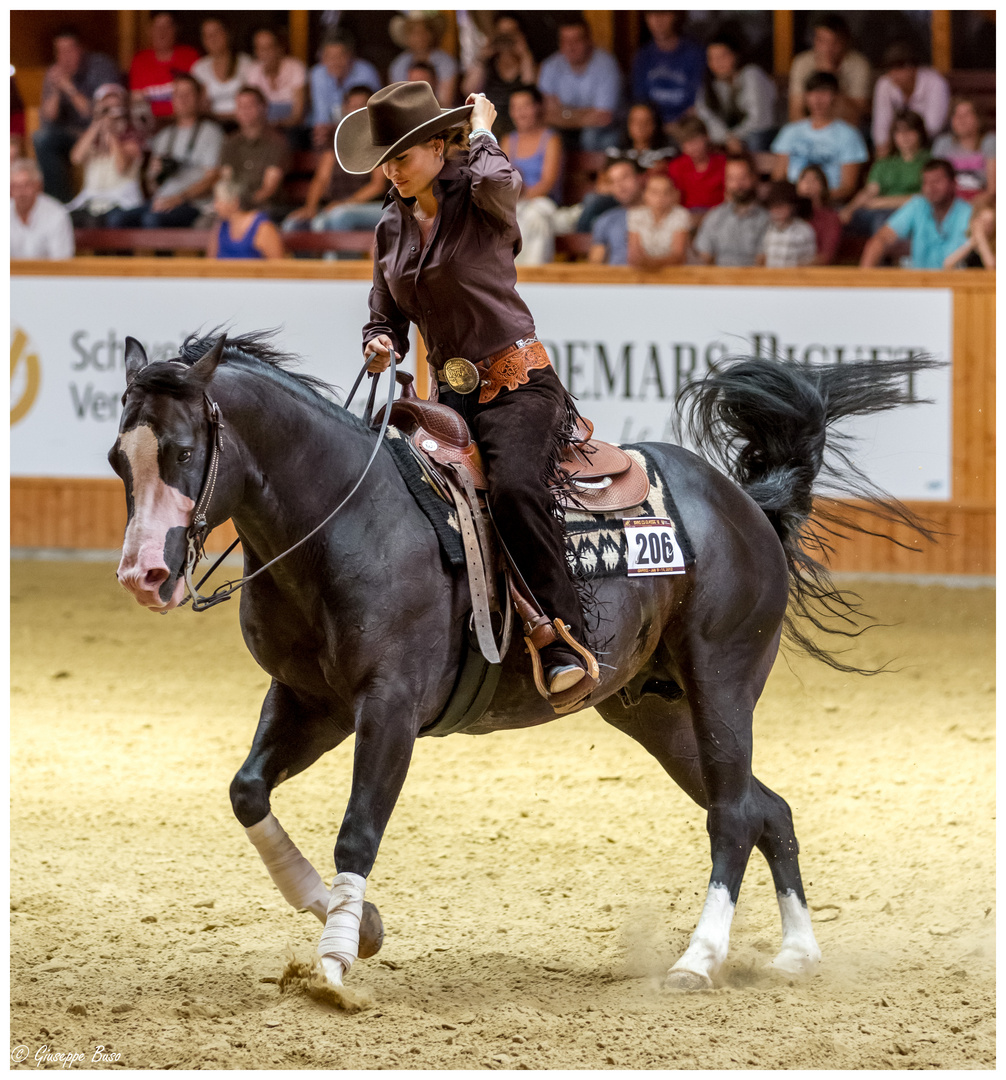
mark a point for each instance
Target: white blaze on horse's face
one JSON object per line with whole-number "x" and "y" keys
{"x": 156, "y": 509}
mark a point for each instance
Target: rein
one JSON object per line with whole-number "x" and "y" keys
{"x": 199, "y": 527}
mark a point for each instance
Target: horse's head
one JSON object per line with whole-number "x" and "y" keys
{"x": 161, "y": 455}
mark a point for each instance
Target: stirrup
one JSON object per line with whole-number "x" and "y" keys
{"x": 567, "y": 700}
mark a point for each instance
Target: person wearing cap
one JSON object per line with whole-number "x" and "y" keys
{"x": 419, "y": 34}
{"x": 65, "y": 112}
{"x": 907, "y": 85}
{"x": 111, "y": 154}
{"x": 444, "y": 260}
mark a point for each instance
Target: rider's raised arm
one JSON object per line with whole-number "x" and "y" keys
{"x": 496, "y": 183}
{"x": 385, "y": 315}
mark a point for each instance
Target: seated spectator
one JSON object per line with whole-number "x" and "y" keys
{"x": 822, "y": 139}
{"x": 256, "y": 156}
{"x": 183, "y": 167}
{"x": 812, "y": 185}
{"x": 535, "y": 151}
{"x": 111, "y": 154}
{"x": 582, "y": 88}
{"x": 421, "y": 71}
{"x": 731, "y": 234}
{"x": 243, "y": 232}
{"x": 67, "y": 93}
{"x": 153, "y": 70}
{"x": 338, "y": 200}
{"x": 789, "y": 240}
{"x": 642, "y": 138}
{"x": 281, "y": 79}
{"x": 659, "y": 229}
{"x": 892, "y": 180}
{"x": 698, "y": 171}
{"x": 831, "y": 52}
{"x": 737, "y": 99}
{"x": 906, "y": 85}
{"x": 338, "y": 69}
{"x": 221, "y": 72}
{"x": 504, "y": 64}
{"x": 419, "y": 34}
{"x": 40, "y": 226}
{"x": 936, "y": 222}
{"x": 669, "y": 70}
{"x": 971, "y": 152}
{"x": 610, "y": 234}
{"x": 979, "y": 250}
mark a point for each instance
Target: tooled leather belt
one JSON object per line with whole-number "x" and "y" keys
{"x": 508, "y": 368}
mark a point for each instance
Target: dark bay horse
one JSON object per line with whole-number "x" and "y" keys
{"x": 362, "y": 627}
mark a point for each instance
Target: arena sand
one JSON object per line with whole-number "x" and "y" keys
{"x": 534, "y": 885}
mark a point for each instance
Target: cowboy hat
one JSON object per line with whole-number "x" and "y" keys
{"x": 399, "y": 25}
{"x": 401, "y": 115}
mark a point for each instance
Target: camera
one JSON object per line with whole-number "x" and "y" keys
{"x": 169, "y": 166}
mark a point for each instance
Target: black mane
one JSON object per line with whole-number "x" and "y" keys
{"x": 254, "y": 350}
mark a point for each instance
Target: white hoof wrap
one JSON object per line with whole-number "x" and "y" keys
{"x": 340, "y": 940}
{"x": 293, "y": 875}
{"x": 800, "y": 953}
{"x": 709, "y": 944}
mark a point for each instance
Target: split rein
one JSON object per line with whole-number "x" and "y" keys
{"x": 199, "y": 528}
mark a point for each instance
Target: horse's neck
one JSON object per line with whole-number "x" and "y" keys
{"x": 298, "y": 459}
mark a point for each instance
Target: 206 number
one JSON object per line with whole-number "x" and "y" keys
{"x": 660, "y": 549}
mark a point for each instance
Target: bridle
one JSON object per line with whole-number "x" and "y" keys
{"x": 199, "y": 527}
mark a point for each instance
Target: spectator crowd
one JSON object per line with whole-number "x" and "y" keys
{"x": 691, "y": 154}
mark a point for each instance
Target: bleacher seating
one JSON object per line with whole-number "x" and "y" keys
{"x": 195, "y": 241}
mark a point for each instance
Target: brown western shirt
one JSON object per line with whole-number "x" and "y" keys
{"x": 461, "y": 288}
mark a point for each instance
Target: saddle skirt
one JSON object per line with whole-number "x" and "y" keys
{"x": 601, "y": 477}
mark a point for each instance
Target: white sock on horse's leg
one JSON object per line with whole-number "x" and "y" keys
{"x": 800, "y": 953}
{"x": 709, "y": 944}
{"x": 340, "y": 940}
{"x": 295, "y": 877}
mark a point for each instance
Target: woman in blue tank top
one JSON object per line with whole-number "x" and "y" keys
{"x": 242, "y": 232}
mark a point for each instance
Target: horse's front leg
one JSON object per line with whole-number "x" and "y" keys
{"x": 291, "y": 735}
{"x": 385, "y": 737}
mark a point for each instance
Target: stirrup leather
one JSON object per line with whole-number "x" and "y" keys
{"x": 566, "y": 700}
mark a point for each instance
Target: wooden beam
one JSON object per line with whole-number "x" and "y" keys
{"x": 782, "y": 37}
{"x": 128, "y": 38}
{"x": 602, "y": 28}
{"x": 298, "y": 34}
{"x": 942, "y": 41}
{"x": 449, "y": 42}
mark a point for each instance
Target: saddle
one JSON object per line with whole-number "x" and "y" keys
{"x": 600, "y": 478}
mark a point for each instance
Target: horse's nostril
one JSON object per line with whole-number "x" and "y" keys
{"x": 155, "y": 577}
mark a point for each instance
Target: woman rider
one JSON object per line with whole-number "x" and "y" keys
{"x": 444, "y": 260}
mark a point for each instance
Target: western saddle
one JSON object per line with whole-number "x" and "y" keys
{"x": 600, "y": 478}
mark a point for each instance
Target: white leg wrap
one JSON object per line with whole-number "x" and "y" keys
{"x": 295, "y": 877}
{"x": 340, "y": 940}
{"x": 800, "y": 953}
{"x": 709, "y": 944}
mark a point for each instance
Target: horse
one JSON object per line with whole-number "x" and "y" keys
{"x": 362, "y": 627}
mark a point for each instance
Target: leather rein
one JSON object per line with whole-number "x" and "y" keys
{"x": 199, "y": 527}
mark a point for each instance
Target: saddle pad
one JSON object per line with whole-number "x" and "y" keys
{"x": 595, "y": 543}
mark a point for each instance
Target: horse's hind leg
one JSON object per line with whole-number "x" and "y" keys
{"x": 666, "y": 728}
{"x": 290, "y": 737}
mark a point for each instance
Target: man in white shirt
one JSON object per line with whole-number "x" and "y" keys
{"x": 40, "y": 226}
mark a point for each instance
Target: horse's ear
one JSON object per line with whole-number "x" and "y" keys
{"x": 202, "y": 370}
{"x": 136, "y": 359}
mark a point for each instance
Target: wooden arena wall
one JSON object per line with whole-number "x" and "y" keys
{"x": 90, "y": 514}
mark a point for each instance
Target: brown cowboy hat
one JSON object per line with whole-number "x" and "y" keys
{"x": 399, "y": 25}
{"x": 401, "y": 115}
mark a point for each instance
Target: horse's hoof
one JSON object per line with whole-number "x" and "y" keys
{"x": 794, "y": 963}
{"x": 371, "y": 931}
{"x": 679, "y": 979}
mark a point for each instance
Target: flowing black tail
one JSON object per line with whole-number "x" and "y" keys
{"x": 768, "y": 423}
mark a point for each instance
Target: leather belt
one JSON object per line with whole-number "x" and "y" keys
{"x": 508, "y": 369}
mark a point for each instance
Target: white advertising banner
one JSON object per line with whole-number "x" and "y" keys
{"x": 622, "y": 350}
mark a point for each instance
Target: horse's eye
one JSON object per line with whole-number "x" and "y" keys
{"x": 185, "y": 455}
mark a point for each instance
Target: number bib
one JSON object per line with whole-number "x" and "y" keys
{"x": 652, "y": 547}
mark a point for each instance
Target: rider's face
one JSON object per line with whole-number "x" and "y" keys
{"x": 415, "y": 169}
